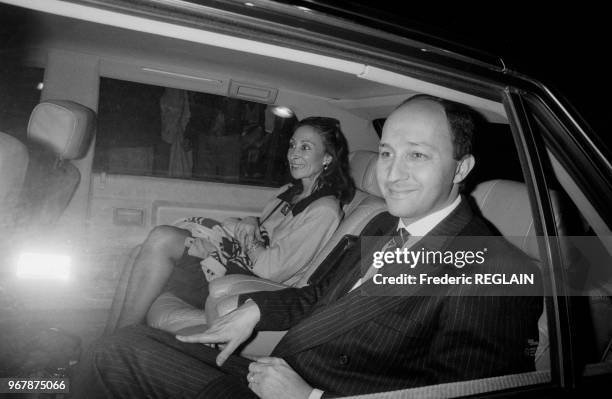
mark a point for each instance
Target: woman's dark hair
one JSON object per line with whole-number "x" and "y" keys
{"x": 336, "y": 176}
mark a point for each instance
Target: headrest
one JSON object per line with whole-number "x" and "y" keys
{"x": 63, "y": 126}
{"x": 363, "y": 171}
{"x": 506, "y": 204}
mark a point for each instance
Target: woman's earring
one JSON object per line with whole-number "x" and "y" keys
{"x": 325, "y": 165}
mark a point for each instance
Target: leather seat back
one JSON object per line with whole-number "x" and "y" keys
{"x": 58, "y": 131}
{"x": 13, "y": 165}
{"x": 506, "y": 205}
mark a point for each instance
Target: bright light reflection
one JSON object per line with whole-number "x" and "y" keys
{"x": 282, "y": 112}
{"x": 43, "y": 266}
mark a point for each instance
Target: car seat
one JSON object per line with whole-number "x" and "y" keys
{"x": 59, "y": 131}
{"x": 364, "y": 206}
{"x": 13, "y": 165}
{"x": 506, "y": 205}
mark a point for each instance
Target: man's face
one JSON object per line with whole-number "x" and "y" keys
{"x": 416, "y": 171}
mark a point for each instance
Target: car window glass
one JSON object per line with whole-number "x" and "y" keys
{"x": 20, "y": 88}
{"x": 158, "y": 131}
{"x": 586, "y": 256}
{"x": 497, "y": 185}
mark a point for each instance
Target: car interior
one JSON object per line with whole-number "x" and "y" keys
{"x": 111, "y": 124}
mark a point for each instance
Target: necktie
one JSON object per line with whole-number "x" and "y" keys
{"x": 398, "y": 240}
{"x": 401, "y": 237}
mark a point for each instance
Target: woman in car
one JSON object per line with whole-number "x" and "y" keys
{"x": 292, "y": 228}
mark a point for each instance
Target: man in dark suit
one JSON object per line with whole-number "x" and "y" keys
{"x": 347, "y": 334}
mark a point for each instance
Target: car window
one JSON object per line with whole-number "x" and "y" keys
{"x": 583, "y": 267}
{"x": 497, "y": 184}
{"x": 20, "y": 88}
{"x": 585, "y": 244}
{"x": 165, "y": 132}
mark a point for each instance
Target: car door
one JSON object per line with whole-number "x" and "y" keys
{"x": 567, "y": 159}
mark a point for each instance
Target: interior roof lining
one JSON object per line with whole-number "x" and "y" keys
{"x": 135, "y": 23}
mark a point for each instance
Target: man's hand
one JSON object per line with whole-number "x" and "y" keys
{"x": 272, "y": 378}
{"x": 247, "y": 229}
{"x": 232, "y": 329}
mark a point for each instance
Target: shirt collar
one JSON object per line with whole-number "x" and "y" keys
{"x": 424, "y": 225}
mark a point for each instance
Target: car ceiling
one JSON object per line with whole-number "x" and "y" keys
{"x": 351, "y": 89}
{"x": 84, "y": 36}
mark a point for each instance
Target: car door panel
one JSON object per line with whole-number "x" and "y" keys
{"x": 123, "y": 209}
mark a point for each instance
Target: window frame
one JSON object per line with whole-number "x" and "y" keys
{"x": 572, "y": 147}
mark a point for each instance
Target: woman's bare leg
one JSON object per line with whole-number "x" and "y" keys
{"x": 162, "y": 249}
{"x": 121, "y": 292}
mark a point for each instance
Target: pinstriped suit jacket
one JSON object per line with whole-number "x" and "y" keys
{"x": 350, "y": 343}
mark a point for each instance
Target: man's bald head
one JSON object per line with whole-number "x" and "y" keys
{"x": 462, "y": 122}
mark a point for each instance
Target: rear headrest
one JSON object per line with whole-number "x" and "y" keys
{"x": 363, "y": 171}
{"x": 63, "y": 126}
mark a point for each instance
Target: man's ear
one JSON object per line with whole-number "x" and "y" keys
{"x": 464, "y": 167}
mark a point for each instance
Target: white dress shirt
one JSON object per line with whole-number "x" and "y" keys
{"x": 424, "y": 225}
{"x": 419, "y": 228}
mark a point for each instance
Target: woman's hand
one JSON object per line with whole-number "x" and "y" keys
{"x": 200, "y": 248}
{"x": 254, "y": 248}
{"x": 246, "y": 230}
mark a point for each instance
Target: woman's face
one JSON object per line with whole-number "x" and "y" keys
{"x": 306, "y": 155}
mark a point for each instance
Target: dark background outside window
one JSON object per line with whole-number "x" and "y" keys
{"x": 19, "y": 94}
{"x": 157, "y": 131}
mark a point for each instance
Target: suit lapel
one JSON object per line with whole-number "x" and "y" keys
{"x": 348, "y": 281}
{"x": 340, "y": 315}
